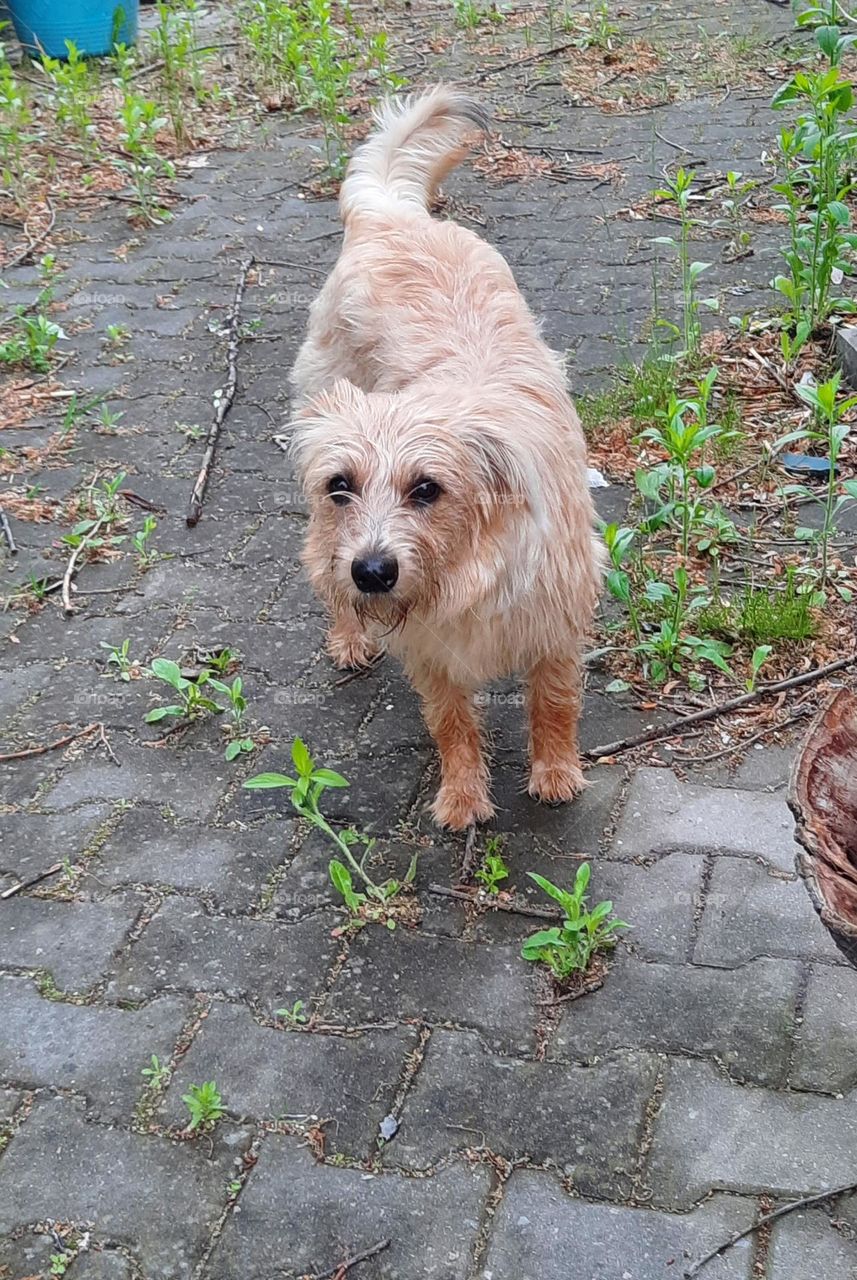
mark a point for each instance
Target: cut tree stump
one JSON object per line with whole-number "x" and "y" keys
{"x": 823, "y": 799}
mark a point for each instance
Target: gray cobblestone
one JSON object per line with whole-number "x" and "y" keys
{"x": 324, "y": 1215}
{"x": 743, "y": 1017}
{"x": 74, "y": 941}
{"x": 711, "y": 1133}
{"x": 160, "y": 1198}
{"x": 34, "y": 842}
{"x": 586, "y": 1120}
{"x": 349, "y": 1081}
{"x": 662, "y": 813}
{"x": 185, "y": 949}
{"x": 189, "y": 782}
{"x": 98, "y": 1052}
{"x": 749, "y": 912}
{"x": 826, "y": 1052}
{"x": 539, "y": 1232}
{"x": 386, "y": 972}
{"x": 808, "y": 1244}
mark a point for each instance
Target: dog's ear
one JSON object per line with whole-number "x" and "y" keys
{"x": 507, "y": 468}
{"x": 321, "y": 418}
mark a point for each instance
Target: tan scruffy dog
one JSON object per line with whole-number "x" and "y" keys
{"x": 444, "y": 464}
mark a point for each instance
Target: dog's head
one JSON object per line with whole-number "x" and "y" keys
{"x": 414, "y": 500}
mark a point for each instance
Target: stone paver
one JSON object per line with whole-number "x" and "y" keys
{"x": 749, "y": 912}
{"x": 741, "y": 1017}
{"x": 184, "y": 949}
{"x": 662, "y": 813}
{"x": 715, "y": 1063}
{"x": 155, "y": 1196}
{"x": 540, "y": 1233}
{"x": 826, "y": 1052}
{"x": 712, "y": 1133}
{"x": 97, "y": 1052}
{"x": 325, "y": 1215}
{"x": 386, "y": 973}
{"x": 588, "y": 1120}
{"x": 73, "y": 941}
{"x": 349, "y": 1081}
{"x": 805, "y": 1244}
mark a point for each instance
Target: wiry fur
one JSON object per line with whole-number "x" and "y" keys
{"x": 423, "y": 361}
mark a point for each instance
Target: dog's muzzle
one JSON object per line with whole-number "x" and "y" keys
{"x": 375, "y": 575}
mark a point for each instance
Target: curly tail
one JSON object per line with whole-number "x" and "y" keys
{"x": 416, "y": 142}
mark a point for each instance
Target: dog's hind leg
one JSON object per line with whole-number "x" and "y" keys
{"x": 453, "y": 723}
{"x": 349, "y": 644}
{"x": 554, "y": 709}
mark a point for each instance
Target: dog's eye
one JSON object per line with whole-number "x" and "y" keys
{"x": 340, "y": 489}
{"x": 425, "y": 493}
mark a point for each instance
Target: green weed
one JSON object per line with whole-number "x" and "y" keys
{"x": 567, "y": 948}
{"x": 204, "y": 1104}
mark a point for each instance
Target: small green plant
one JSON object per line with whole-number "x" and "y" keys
{"x": 568, "y": 947}
{"x": 236, "y": 705}
{"x": 157, "y": 1073}
{"x": 15, "y": 121}
{"x": 60, "y": 1263}
{"x": 140, "y": 541}
{"x": 119, "y": 657}
{"x": 295, "y": 1016}
{"x": 74, "y": 90}
{"x": 738, "y": 192}
{"x": 305, "y": 791}
{"x": 595, "y": 30}
{"x": 109, "y": 419}
{"x": 680, "y": 190}
{"x": 204, "y": 1104}
{"x": 760, "y": 656}
{"x": 31, "y": 342}
{"x": 116, "y": 335}
{"x": 194, "y": 702}
{"x": 493, "y": 870}
{"x": 141, "y": 121}
{"x": 830, "y": 431}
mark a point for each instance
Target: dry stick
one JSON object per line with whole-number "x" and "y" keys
{"x": 43, "y": 235}
{"x": 7, "y": 532}
{"x": 468, "y": 865}
{"x": 768, "y": 1217}
{"x": 223, "y": 403}
{"x": 676, "y": 728}
{"x": 338, "y": 1272}
{"x": 52, "y": 746}
{"x": 523, "y": 62}
{"x": 68, "y": 607}
{"x": 462, "y": 895}
{"x": 28, "y": 884}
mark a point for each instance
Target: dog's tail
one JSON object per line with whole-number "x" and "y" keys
{"x": 416, "y": 142}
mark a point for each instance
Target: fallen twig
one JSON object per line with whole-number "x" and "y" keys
{"x": 52, "y": 746}
{"x": 464, "y": 895}
{"x": 339, "y": 1272}
{"x": 782, "y": 382}
{"x": 7, "y": 532}
{"x": 28, "y": 884}
{"x": 523, "y": 62}
{"x": 33, "y": 244}
{"x": 68, "y": 608}
{"x": 803, "y": 1203}
{"x": 468, "y": 863}
{"x": 675, "y": 728}
{"x": 223, "y": 400}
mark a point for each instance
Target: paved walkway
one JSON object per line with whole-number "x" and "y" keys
{"x": 614, "y": 1138}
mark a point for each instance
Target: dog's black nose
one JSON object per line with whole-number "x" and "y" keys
{"x": 375, "y": 574}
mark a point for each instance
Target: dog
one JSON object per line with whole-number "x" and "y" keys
{"x": 444, "y": 464}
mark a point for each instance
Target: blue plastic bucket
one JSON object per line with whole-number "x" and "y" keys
{"x": 93, "y": 25}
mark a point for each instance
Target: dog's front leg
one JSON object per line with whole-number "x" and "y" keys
{"x": 554, "y": 708}
{"x": 453, "y": 723}
{"x": 349, "y": 644}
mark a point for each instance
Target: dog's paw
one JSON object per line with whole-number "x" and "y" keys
{"x": 556, "y": 781}
{"x": 458, "y": 809}
{"x": 351, "y": 651}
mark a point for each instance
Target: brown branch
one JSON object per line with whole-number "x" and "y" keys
{"x": 462, "y": 895}
{"x": 675, "y": 728}
{"x": 28, "y": 884}
{"x": 763, "y": 1221}
{"x": 51, "y": 746}
{"x": 33, "y": 244}
{"x": 468, "y": 864}
{"x": 7, "y": 532}
{"x": 223, "y": 402}
{"x": 523, "y": 62}
{"x": 339, "y": 1272}
{"x": 68, "y": 608}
